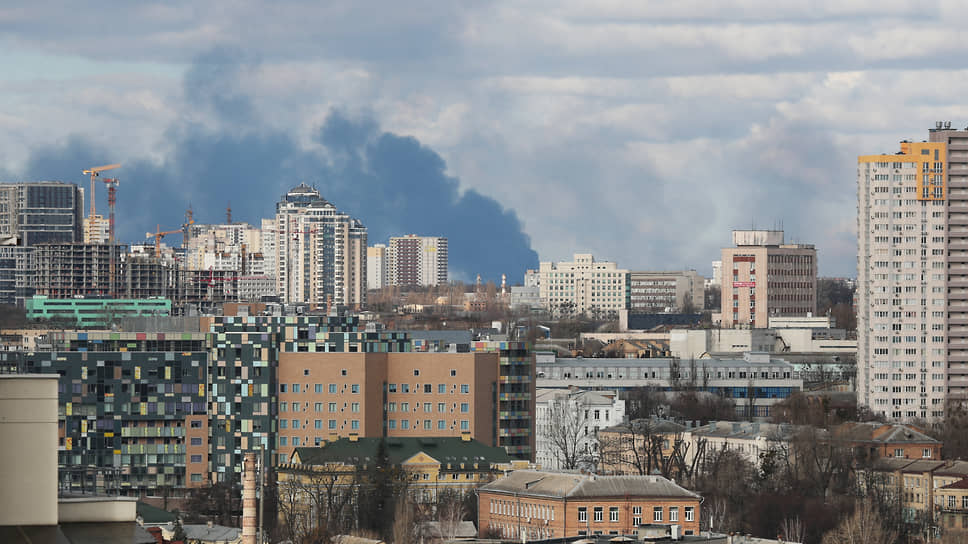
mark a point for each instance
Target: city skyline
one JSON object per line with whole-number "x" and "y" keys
{"x": 672, "y": 107}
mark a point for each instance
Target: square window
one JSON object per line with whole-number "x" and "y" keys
{"x": 343, "y": 372}
{"x": 441, "y": 424}
{"x": 428, "y": 388}
{"x": 332, "y": 424}
{"x": 355, "y": 388}
{"x": 416, "y": 372}
{"x": 441, "y": 388}
{"x": 465, "y": 388}
{"x": 453, "y": 372}
{"x": 355, "y": 424}
{"x": 305, "y": 372}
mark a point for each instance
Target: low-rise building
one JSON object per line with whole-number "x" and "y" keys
{"x": 94, "y": 312}
{"x": 567, "y": 425}
{"x": 536, "y": 505}
{"x": 755, "y": 381}
{"x": 432, "y": 464}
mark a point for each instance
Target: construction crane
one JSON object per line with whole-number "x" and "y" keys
{"x": 158, "y": 235}
{"x": 94, "y": 173}
{"x": 112, "y": 185}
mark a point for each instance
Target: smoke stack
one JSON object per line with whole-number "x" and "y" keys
{"x": 249, "y": 511}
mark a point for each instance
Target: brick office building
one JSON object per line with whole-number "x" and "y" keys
{"x": 542, "y": 505}
{"x": 323, "y": 396}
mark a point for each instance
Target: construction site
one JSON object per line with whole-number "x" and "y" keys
{"x": 213, "y": 264}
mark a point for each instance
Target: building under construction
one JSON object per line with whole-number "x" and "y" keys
{"x": 73, "y": 270}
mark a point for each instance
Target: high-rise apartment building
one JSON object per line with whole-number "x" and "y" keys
{"x": 97, "y": 230}
{"x": 417, "y": 260}
{"x": 764, "y": 277}
{"x": 912, "y": 276}
{"x": 320, "y": 252}
{"x": 376, "y": 266}
{"x": 40, "y": 212}
{"x": 584, "y": 286}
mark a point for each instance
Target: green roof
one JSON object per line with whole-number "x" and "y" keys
{"x": 446, "y": 450}
{"x": 153, "y": 514}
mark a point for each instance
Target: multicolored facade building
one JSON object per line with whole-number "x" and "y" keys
{"x": 179, "y": 409}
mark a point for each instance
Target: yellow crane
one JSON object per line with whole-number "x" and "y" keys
{"x": 159, "y": 234}
{"x": 96, "y": 172}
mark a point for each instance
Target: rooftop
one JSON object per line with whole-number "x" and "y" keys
{"x": 575, "y": 485}
{"x": 399, "y": 449}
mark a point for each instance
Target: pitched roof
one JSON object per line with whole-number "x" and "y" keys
{"x": 153, "y": 514}
{"x": 960, "y": 484}
{"x": 446, "y": 450}
{"x": 574, "y": 485}
{"x": 882, "y": 433}
{"x": 654, "y": 425}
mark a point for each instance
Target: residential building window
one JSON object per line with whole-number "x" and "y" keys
{"x": 332, "y": 424}
{"x": 196, "y": 459}
{"x": 441, "y": 424}
{"x": 332, "y": 389}
{"x": 656, "y": 513}
{"x": 599, "y": 513}
{"x": 283, "y": 388}
{"x": 673, "y": 513}
{"x": 690, "y": 513}
{"x": 613, "y": 513}
{"x": 404, "y": 423}
{"x": 295, "y": 424}
{"x": 441, "y": 407}
{"x": 318, "y": 407}
{"x": 465, "y": 425}
{"x": 283, "y": 440}
{"x": 283, "y": 423}
{"x": 926, "y": 453}
{"x": 442, "y": 388}
{"x": 465, "y": 388}
{"x": 196, "y": 477}
{"x": 355, "y": 388}
{"x": 355, "y": 407}
{"x": 636, "y": 516}
{"x": 318, "y": 424}
{"x": 428, "y": 388}
{"x": 333, "y": 407}
{"x": 319, "y": 388}
{"x": 582, "y": 514}
{"x": 465, "y": 407}
{"x": 392, "y": 424}
{"x": 355, "y": 424}
{"x": 428, "y": 424}
{"x": 295, "y": 388}
{"x": 898, "y": 452}
{"x": 283, "y": 406}
{"x": 196, "y": 441}
{"x": 392, "y": 388}
{"x": 295, "y": 441}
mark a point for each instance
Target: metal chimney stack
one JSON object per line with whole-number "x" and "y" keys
{"x": 249, "y": 511}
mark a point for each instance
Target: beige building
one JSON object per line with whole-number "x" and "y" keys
{"x": 657, "y": 292}
{"x": 324, "y": 396}
{"x": 762, "y": 277}
{"x": 376, "y": 266}
{"x": 96, "y": 230}
{"x": 584, "y": 286}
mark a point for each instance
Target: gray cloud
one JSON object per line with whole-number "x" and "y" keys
{"x": 640, "y": 132}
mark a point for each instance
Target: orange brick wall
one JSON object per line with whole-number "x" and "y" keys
{"x": 544, "y": 517}
{"x": 370, "y": 371}
{"x": 200, "y": 431}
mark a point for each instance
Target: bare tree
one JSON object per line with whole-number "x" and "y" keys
{"x": 864, "y": 526}
{"x": 567, "y": 433}
{"x": 405, "y": 521}
{"x": 451, "y": 510}
{"x": 793, "y": 529}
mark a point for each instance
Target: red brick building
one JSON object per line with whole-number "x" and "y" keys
{"x": 541, "y": 505}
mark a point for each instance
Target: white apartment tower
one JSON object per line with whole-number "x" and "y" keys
{"x": 320, "y": 252}
{"x": 584, "y": 286}
{"x": 905, "y": 315}
{"x": 376, "y": 266}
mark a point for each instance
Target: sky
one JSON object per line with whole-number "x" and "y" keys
{"x": 641, "y": 132}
